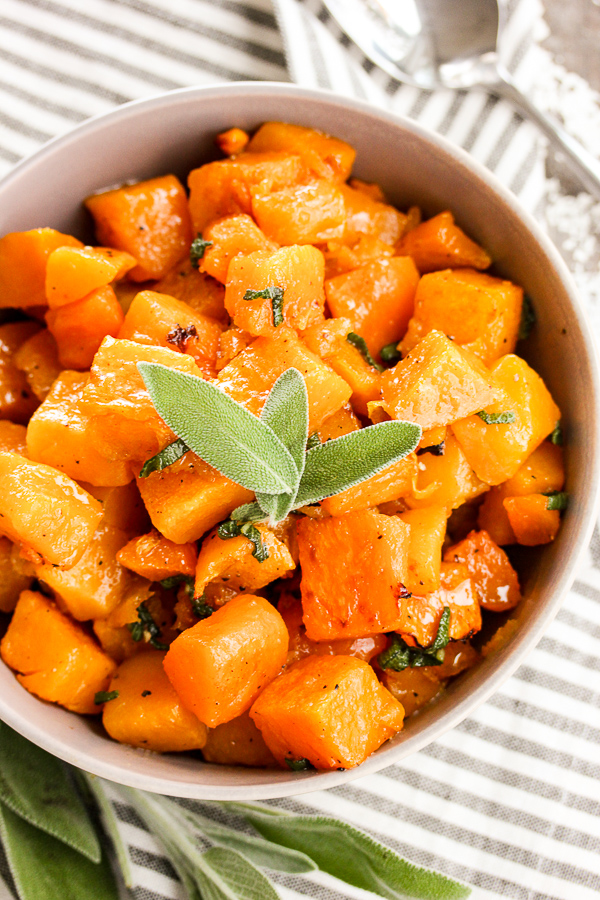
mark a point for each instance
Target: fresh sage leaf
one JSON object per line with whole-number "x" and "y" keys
{"x": 313, "y": 441}
{"x": 354, "y": 857}
{"x": 557, "y": 436}
{"x": 249, "y": 512}
{"x": 528, "y": 318}
{"x": 361, "y": 345}
{"x": 201, "y": 609}
{"x": 222, "y": 432}
{"x": 198, "y": 249}
{"x": 226, "y": 875}
{"x": 36, "y": 786}
{"x": 44, "y": 868}
{"x": 299, "y": 765}
{"x": 165, "y": 458}
{"x": 390, "y": 355}
{"x": 346, "y": 461}
{"x": 443, "y": 633}
{"x": 111, "y": 825}
{"x": 400, "y": 655}
{"x": 503, "y": 418}
{"x": 557, "y": 500}
{"x": 275, "y": 295}
{"x": 146, "y": 628}
{"x": 175, "y": 580}
{"x": 229, "y": 529}
{"x": 105, "y": 696}
{"x": 286, "y": 413}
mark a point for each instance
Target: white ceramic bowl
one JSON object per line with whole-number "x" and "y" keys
{"x": 174, "y": 133}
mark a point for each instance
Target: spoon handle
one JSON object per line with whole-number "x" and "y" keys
{"x": 581, "y": 162}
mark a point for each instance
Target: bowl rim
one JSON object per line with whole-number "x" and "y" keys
{"x": 590, "y": 504}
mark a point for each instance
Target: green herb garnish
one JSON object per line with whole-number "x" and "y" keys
{"x": 313, "y": 441}
{"x": 200, "y": 608}
{"x": 105, "y": 696}
{"x": 275, "y": 295}
{"x": 299, "y": 765}
{"x": 528, "y": 318}
{"x": 361, "y": 345}
{"x": 557, "y": 435}
{"x": 399, "y": 655}
{"x": 557, "y": 500}
{"x": 176, "y": 580}
{"x": 146, "y": 628}
{"x": 231, "y": 529}
{"x": 165, "y": 458}
{"x": 390, "y": 355}
{"x": 268, "y": 455}
{"x": 503, "y": 418}
{"x": 198, "y": 249}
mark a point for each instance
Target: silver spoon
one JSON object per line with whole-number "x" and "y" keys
{"x": 450, "y": 44}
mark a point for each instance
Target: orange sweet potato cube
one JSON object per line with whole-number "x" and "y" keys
{"x": 219, "y": 666}
{"x": 391, "y": 483}
{"x": 59, "y": 435}
{"x": 147, "y": 712}
{"x": 446, "y": 480}
{"x": 427, "y": 533}
{"x": 45, "y": 510}
{"x": 301, "y": 214}
{"x": 23, "y": 259}
{"x": 298, "y": 271}
{"x": 237, "y": 743}
{"x": 74, "y": 272}
{"x": 353, "y": 573}
{"x": 436, "y": 384}
{"x": 324, "y": 156}
{"x": 496, "y": 451}
{"x": 149, "y": 220}
{"x": 230, "y": 237}
{"x": 331, "y": 710}
{"x": 231, "y": 562}
{"x": 496, "y": 581}
{"x": 364, "y": 215}
{"x": 475, "y": 310}
{"x": 203, "y": 293}
{"x": 421, "y": 615}
{"x": 17, "y": 400}
{"x": 439, "y": 243}
{"x": 377, "y": 298}
{"x": 79, "y": 328}
{"x": 531, "y": 520}
{"x": 250, "y": 376}
{"x": 37, "y": 357}
{"x": 55, "y": 658}
{"x": 154, "y": 557}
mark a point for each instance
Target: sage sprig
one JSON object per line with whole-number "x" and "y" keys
{"x": 361, "y": 345}
{"x": 269, "y": 455}
{"x": 503, "y": 418}
{"x": 46, "y": 819}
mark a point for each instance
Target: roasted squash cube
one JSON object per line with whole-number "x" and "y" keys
{"x": 12, "y": 581}
{"x": 17, "y": 400}
{"x": 421, "y": 614}
{"x": 219, "y": 666}
{"x": 447, "y": 480}
{"x": 531, "y": 520}
{"x": 324, "y": 156}
{"x": 55, "y": 658}
{"x": 154, "y": 557}
{"x": 495, "y": 579}
{"x": 23, "y": 259}
{"x": 427, "y": 533}
{"x": 412, "y": 687}
{"x": 301, "y": 214}
{"x": 341, "y": 422}
{"x": 74, "y": 272}
{"x": 230, "y": 237}
{"x": 353, "y": 573}
{"x": 237, "y": 743}
{"x": 440, "y": 244}
{"x": 45, "y": 510}
{"x": 147, "y": 712}
{"x": 364, "y": 215}
{"x": 79, "y": 328}
{"x": 391, "y": 483}
{"x": 341, "y": 258}
{"x": 13, "y": 437}
{"x": 231, "y": 562}
{"x": 331, "y": 710}
{"x": 37, "y": 357}
{"x": 200, "y": 291}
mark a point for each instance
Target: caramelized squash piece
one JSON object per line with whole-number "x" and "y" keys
{"x": 495, "y": 579}
{"x": 12, "y": 581}
{"x": 475, "y": 310}
{"x": 531, "y": 520}
{"x": 298, "y": 271}
{"x": 13, "y": 437}
{"x": 301, "y": 214}
{"x": 55, "y": 658}
{"x": 377, "y": 298}
{"x": 122, "y": 506}
{"x": 237, "y": 743}
{"x": 420, "y": 615}
{"x": 113, "y": 632}
{"x": 391, "y": 483}
{"x": 204, "y": 294}
{"x": 231, "y": 562}
{"x": 250, "y": 376}
{"x": 37, "y": 357}
{"x": 79, "y": 328}
{"x": 440, "y": 244}
{"x": 497, "y": 451}
{"x": 364, "y": 215}
{"x": 447, "y": 480}
{"x": 17, "y": 400}
{"x": 341, "y": 258}
{"x": 353, "y": 573}
{"x": 230, "y": 237}
{"x": 330, "y": 710}
{"x": 46, "y": 510}
{"x": 324, "y": 156}
{"x": 147, "y": 712}
{"x": 154, "y": 557}
{"x": 74, "y": 272}
{"x": 437, "y": 383}
{"x": 220, "y": 666}
{"x": 59, "y": 435}
{"x": 413, "y": 687}
{"x": 149, "y": 220}
{"x": 427, "y": 533}
{"x": 341, "y": 422}
{"x": 23, "y": 259}
{"x": 188, "y": 498}
{"x": 232, "y": 141}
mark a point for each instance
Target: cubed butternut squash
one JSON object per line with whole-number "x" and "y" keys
{"x": 445, "y": 480}
{"x": 219, "y": 666}
{"x": 310, "y": 213}
{"x": 330, "y": 710}
{"x": 79, "y": 328}
{"x": 237, "y": 743}
{"x": 203, "y": 293}
{"x": 412, "y": 687}
{"x": 230, "y": 237}
{"x": 353, "y": 573}
{"x": 154, "y": 557}
{"x": 489, "y": 567}
{"x": 37, "y": 357}
{"x": 54, "y": 657}
{"x": 17, "y": 400}
{"x": 122, "y": 506}
{"x": 439, "y": 243}
{"x": 364, "y": 215}
{"x": 46, "y": 510}
{"x": 420, "y": 615}
{"x": 149, "y": 220}
{"x": 427, "y": 533}
{"x": 324, "y": 156}
{"x": 12, "y": 582}
{"x": 232, "y": 141}
{"x": 74, "y": 272}
{"x": 341, "y": 258}
{"x": 13, "y": 437}
{"x": 23, "y": 259}
{"x": 341, "y": 422}
{"x": 391, "y": 483}
{"x": 531, "y": 520}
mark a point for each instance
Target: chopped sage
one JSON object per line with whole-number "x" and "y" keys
{"x": 198, "y": 249}
{"x": 400, "y": 655}
{"x": 165, "y": 458}
{"x": 146, "y": 629}
{"x": 557, "y": 500}
{"x": 230, "y": 529}
{"x": 503, "y": 418}
{"x": 176, "y": 580}
{"x": 275, "y": 295}
{"x": 200, "y": 608}
{"x": 528, "y": 318}
{"x": 390, "y": 355}
{"x": 313, "y": 441}
{"x": 361, "y": 345}
{"x": 557, "y": 435}
{"x": 299, "y": 765}
{"x": 105, "y": 696}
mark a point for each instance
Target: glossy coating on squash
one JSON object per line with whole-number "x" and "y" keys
{"x": 201, "y": 292}
{"x": 79, "y": 328}
{"x": 439, "y": 243}
{"x": 17, "y": 400}
{"x": 74, "y": 272}
{"x": 489, "y": 567}
{"x": 12, "y": 582}
{"x": 155, "y": 557}
{"x": 531, "y": 520}
{"x": 301, "y": 213}
{"x": 37, "y": 357}
{"x": 420, "y": 615}
{"x": 391, "y": 483}
{"x": 230, "y": 237}
{"x": 232, "y": 562}
{"x": 427, "y": 532}
{"x": 23, "y": 259}
{"x": 324, "y": 156}
{"x": 237, "y": 743}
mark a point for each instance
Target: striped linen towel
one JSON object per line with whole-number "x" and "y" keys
{"x": 508, "y": 801}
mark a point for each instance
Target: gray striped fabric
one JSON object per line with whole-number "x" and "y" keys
{"x": 509, "y": 801}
